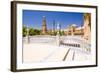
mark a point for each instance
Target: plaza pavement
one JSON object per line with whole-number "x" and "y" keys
{"x": 50, "y": 52}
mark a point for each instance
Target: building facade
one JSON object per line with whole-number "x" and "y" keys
{"x": 83, "y": 31}
{"x": 87, "y": 26}
{"x": 73, "y": 30}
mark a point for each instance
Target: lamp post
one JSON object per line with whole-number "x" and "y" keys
{"x": 58, "y": 34}
{"x": 53, "y": 28}
{"x": 27, "y": 35}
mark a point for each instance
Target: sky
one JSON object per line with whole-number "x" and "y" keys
{"x": 33, "y": 18}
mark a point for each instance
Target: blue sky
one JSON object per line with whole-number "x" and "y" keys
{"x": 33, "y": 18}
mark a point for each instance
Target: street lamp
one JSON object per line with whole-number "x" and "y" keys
{"x": 27, "y": 34}
{"x": 58, "y": 34}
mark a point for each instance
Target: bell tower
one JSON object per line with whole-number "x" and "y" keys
{"x": 44, "y": 27}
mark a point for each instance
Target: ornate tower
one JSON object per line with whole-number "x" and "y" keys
{"x": 44, "y": 27}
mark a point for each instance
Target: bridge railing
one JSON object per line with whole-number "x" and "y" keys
{"x": 68, "y": 41}
{"x": 77, "y": 42}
